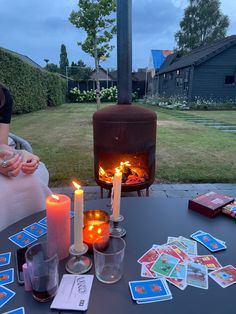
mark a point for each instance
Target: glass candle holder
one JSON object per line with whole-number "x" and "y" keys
{"x": 96, "y": 225}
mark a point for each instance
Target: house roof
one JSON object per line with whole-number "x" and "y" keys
{"x": 24, "y": 58}
{"x": 198, "y": 55}
{"x": 158, "y": 57}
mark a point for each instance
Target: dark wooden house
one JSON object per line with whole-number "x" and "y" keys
{"x": 208, "y": 72}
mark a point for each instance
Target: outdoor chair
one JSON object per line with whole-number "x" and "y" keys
{"x": 19, "y": 143}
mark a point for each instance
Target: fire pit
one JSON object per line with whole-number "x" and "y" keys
{"x": 125, "y": 138}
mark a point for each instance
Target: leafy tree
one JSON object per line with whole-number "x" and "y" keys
{"x": 95, "y": 18}
{"x": 51, "y": 67}
{"x": 202, "y": 23}
{"x": 80, "y": 71}
{"x": 63, "y": 60}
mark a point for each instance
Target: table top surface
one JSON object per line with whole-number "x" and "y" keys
{"x": 147, "y": 221}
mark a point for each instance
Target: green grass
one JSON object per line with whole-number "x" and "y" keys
{"x": 186, "y": 152}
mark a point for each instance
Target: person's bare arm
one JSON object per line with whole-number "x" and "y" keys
{"x": 4, "y": 130}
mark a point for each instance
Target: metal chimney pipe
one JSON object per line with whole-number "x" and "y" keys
{"x": 124, "y": 51}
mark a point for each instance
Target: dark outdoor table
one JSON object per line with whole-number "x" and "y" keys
{"x": 147, "y": 221}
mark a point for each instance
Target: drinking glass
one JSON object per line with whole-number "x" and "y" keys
{"x": 109, "y": 258}
{"x": 43, "y": 272}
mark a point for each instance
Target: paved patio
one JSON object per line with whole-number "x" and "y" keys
{"x": 160, "y": 190}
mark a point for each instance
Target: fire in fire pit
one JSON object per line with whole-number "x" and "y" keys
{"x": 131, "y": 174}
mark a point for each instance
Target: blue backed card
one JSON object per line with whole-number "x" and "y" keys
{"x": 149, "y": 289}
{"x": 22, "y": 239}
{"x": 5, "y": 295}
{"x": 43, "y": 222}
{"x": 210, "y": 242}
{"x": 6, "y": 276}
{"x": 36, "y": 230}
{"x": 5, "y": 259}
{"x": 19, "y": 310}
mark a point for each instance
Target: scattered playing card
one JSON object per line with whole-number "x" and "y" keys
{"x": 165, "y": 264}
{"x": 36, "y": 230}
{"x": 19, "y": 310}
{"x": 145, "y": 272}
{"x": 225, "y": 276}
{"x": 197, "y": 275}
{"x": 5, "y": 295}
{"x": 43, "y": 222}
{"x": 5, "y": 259}
{"x": 179, "y": 283}
{"x": 148, "y": 257}
{"x": 6, "y": 276}
{"x": 190, "y": 244}
{"x": 22, "y": 239}
{"x": 146, "y": 291}
{"x": 207, "y": 260}
{"x": 203, "y": 232}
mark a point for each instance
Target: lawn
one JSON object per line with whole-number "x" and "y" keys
{"x": 186, "y": 152}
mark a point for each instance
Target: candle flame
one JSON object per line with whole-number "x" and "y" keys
{"x": 56, "y": 197}
{"x": 99, "y": 230}
{"x": 76, "y": 185}
{"x": 90, "y": 228}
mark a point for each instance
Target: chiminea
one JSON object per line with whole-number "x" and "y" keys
{"x": 124, "y": 134}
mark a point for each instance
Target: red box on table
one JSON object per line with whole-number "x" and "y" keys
{"x": 209, "y": 204}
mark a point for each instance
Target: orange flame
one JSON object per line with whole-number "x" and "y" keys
{"x": 76, "y": 185}
{"x": 56, "y": 197}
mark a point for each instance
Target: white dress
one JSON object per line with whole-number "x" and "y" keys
{"x": 23, "y": 195}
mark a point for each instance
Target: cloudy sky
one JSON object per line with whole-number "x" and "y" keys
{"x": 38, "y": 28}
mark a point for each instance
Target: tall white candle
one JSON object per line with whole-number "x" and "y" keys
{"x": 116, "y": 192}
{"x": 78, "y": 218}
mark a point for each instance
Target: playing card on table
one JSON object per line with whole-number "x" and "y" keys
{"x": 6, "y": 276}
{"x": 177, "y": 243}
{"x": 225, "y": 276}
{"x": 210, "y": 242}
{"x": 5, "y": 295}
{"x": 146, "y": 291}
{"x": 150, "y": 256}
{"x": 197, "y": 275}
{"x": 5, "y": 259}
{"x": 170, "y": 250}
{"x": 207, "y": 260}
{"x": 179, "y": 272}
{"x": 36, "y": 230}
{"x": 179, "y": 283}
{"x": 43, "y": 222}
{"x": 22, "y": 239}
{"x": 190, "y": 244}
{"x": 149, "y": 266}
{"x": 145, "y": 272}
{"x": 19, "y": 310}
{"x": 165, "y": 264}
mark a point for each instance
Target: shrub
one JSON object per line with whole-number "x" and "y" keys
{"x": 32, "y": 88}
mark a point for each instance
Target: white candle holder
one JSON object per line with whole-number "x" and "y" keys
{"x": 78, "y": 263}
{"x": 116, "y": 230}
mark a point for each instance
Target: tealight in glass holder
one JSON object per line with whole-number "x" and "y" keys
{"x": 96, "y": 224}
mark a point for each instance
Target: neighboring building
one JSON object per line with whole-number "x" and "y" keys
{"x": 208, "y": 72}
{"x": 103, "y": 75}
{"x": 157, "y": 58}
{"x": 24, "y": 58}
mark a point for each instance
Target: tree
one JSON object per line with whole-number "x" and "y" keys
{"x": 80, "y": 71}
{"x": 94, "y": 17}
{"x": 51, "y": 67}
{"x": 63, "y": 60}
{"x": 202, "y": 23}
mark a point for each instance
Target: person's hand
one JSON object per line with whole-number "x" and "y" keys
{"x": 10, "y": 163}
{"x": 30, "y": 162}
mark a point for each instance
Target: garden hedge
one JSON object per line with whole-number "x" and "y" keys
{"x": 32, "y": 88}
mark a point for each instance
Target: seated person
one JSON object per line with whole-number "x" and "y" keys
{"x": 23, "y": 178}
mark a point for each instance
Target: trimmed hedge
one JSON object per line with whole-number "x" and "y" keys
{"x": 32, "y": 89}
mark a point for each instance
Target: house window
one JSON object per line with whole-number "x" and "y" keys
{"x": 178, "y": 72}
{"x": 229, "y": 79}
{"x": 179, "y": 82}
